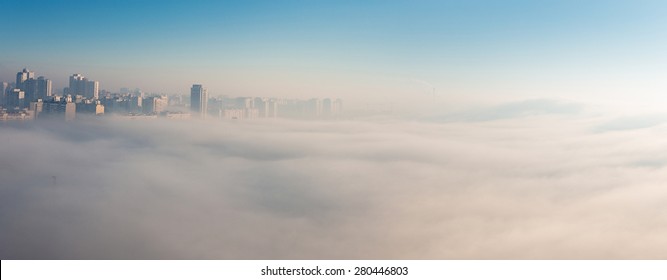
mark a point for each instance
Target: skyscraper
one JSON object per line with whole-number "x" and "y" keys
{"x": 198, "y": 101}
{"x": 39, "y": 88}
{"x": 3, "y": 93}
{"x": 16, "y": 99}
{"x": 23, "y": 76}
{"x": 80, "y": 85}
{"x": 44, "y": 87}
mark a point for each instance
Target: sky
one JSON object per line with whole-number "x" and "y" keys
{"x": 362, "y": 51}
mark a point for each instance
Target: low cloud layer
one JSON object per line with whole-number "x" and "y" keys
{"x": 545, "y": 186}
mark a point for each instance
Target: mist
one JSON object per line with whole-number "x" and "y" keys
{"x": 552, "y": 184}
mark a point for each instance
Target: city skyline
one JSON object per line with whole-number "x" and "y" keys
{"x": 30, "y": 98}
{"x": 363, "y": 52}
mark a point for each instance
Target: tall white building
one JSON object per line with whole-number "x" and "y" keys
{"x": 198, "y": 101}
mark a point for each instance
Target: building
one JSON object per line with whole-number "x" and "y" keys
{"x": 233, "y": 114}
{"x": 327, "y": 107}
{"x": 272, "y": 106}
{"x": 4, "y": 87}
{"x": 135, "y": 103}
{"x": 244, "y": 102}
{"x": 332, "y": 108}
{"x": 260, "y": 105}
{"x": 135, "y": 117}
{"x": 37, "y": 107}
{"x": 80, "y": 85}
{"x": 93, "y": 107}
{"x": 16, "y": 99}
{"x": 21, "y": 115}
{"x": 155, "y": 104}
{"x": 32, "y": 88}
{"x": 175, "y": 115}
{"x": 44, "y": 87}
{"x": 59, "y": 107}
{"x": 23, "y": 76}
{"x": 39, "y": 88}
{"x": 314, "y": 107}
{"x": 337, "y": 108}
{"x": 198, "y": 101}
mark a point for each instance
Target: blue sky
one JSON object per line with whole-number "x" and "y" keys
{"x": 371, "y": 50}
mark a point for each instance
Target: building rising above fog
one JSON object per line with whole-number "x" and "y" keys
{"x": 23, "y": 76}
{"x": 32, "y": 88}
{"x": 198, "y": 101}
{"x": 32, "y": 98}
{"x": 80, "y": 85}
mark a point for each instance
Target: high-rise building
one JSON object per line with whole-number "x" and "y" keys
{"x": 327, "y": 107}
{"x": 136, "y": 103}
{"x": 272, "y": 106}
{"x": 92, "y": 90}
{"x": 245, "y": 102}
{"x": 80, "y": 85}
{"x": 90, "y": 107}
{"x": 4, "y": 87}
{"x": 198, "y": 101}
{"x": 155, "y": 104}
{"x": 337, "y": 108}
{"x": 23, "y": 76}
{"x": 37, "y": 107}
{"x": 39, "y": 88}
{"x": 59, "y": 107}
{"x": 16, "y": 99}
{"x": 314, "y": 107}
{"x": 33, "y": 88}
{"x": 44, "y": 87}
{"x": 261, "y": 104}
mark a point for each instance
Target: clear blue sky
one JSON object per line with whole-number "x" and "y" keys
{"x": 352, "y": 49}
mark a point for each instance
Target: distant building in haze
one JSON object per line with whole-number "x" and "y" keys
{"x": 4, "y": 87}
{"x": 55, "y": 108}
{"x": 23, "y": 76}
{"x": 16, "y": 99}
{"x": 92, "y": 107}
{"x": 198, "y": 101}
{"x": 59, "y": 107}
{"x": 33, "y": 88}
{"x": 39, "y": 88}
{"x": 314, "y": 107}
{"x": 80, "y": 85}
{"x": 20, "y": 115}
{"x": 155, "y": 104}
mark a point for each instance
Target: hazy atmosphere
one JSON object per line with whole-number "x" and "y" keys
{"x": 544, "y": 186}
{"x": 333, "y": 129}
{"x": 363, "y": 51}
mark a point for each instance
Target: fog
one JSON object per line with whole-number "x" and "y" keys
{"x": 556, "y": 183}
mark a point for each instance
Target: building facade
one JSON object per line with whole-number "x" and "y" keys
{"x": 198, "y": 101}
{"x": 80, "y": 85}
